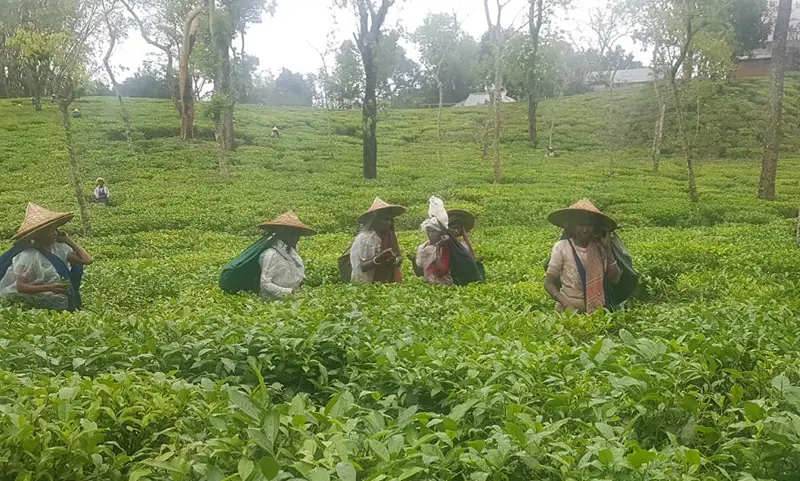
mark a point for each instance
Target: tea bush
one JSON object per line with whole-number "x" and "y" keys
{"x": 162, "y": 377}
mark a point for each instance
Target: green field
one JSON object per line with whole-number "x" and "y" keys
{"x": 162, "y": 377}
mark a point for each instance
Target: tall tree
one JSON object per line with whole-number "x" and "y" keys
{"x": 184, "y": 74}
{"x": 540, "y": 13}
{"x": 496, "y": 33}
{"x": 772, "y": 135}
{"x": 116, "y": 28}
{"x": 370, "y": 21}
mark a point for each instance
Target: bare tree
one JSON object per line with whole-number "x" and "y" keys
{"x": 658, "y": 132}
{"x": 185, "y": 77}
{"x": 609, "y": 24}
{"x": 539, "y": 13}
{"x": 167, "y": 47}
{"x": 370, "y": 22}
{"x": 772, "y": 135}
{"x": 495, "y": 33}
{"x": 115, "y": 26}
{"x": 440, "y": 84}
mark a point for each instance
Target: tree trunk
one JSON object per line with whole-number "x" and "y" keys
{"x": 169, "y": 74}
{"x": 110, "y": 72}
{"x": 772, "y": 135}
{"x": 534, "y": 26}
{"x": 185, "y": 82}
{"x": 370, "y": 114}
{"x": 658, "y": 136}
{"x": 687, "y": 147}
{"x": 439, "y": 120}
{"x": 222, "y": 81}
{"x": 73, "y": 164}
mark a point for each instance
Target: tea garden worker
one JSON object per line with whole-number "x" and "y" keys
{"x": 282, "y": 269}
{"x": 582, "y": 264}
{"x": 101, "y": 193}
{"x": 433, "y": 256}
{"x": 45, "y": 266}
{"x": 375, "y": 254}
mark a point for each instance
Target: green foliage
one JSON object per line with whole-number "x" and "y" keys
{"x": 163, "y": 377}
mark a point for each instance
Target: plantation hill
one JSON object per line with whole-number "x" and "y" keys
{"x": 162, "y": 376}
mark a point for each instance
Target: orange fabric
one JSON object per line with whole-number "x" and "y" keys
{"x": 595, "y": 272}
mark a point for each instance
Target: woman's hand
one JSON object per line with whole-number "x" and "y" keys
{"x": 63, "y": 238}
{"x": 56, "y": 288}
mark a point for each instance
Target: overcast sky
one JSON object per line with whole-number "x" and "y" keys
{"x": 286, "y": 39}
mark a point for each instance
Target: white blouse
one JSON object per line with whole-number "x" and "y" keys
{"x": 366, "y": 246}
{"x": 282, "y": 271}
{"x": 32, "y": 267}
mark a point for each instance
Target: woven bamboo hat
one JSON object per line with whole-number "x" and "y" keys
{"x": 582, "y": 211}
{"x": 466, "y": 218}
{"x": 378, "y": 205}
{"x": 38, "y": 218}
{"x": 288, "y": 220}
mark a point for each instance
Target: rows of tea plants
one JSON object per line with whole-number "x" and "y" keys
{"x": 162, "y": 377}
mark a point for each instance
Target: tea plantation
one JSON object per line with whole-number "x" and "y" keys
{"x": 163, "y": 377}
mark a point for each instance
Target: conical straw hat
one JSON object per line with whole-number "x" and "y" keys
{"x": 380, "y": 205}
{"x": 38, "y": 218}
{"x": 582, "y": 211}
{"x": 466, "y": 217}
{"x": 288, "y": 220}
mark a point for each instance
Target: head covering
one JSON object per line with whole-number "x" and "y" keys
{"x": 582, "y": 211}
{"x": 288, "y": 220}
{"x": 466, "y": 218}
{"x": 38, "y": 218}
{"x": 378, "y": 205}
{"x": 100, "y": 179}
{"x": 274, "y": 129}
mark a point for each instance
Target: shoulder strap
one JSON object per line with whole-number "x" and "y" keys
{"x": 73, "y": 276}
{"x": 581, "y": 269}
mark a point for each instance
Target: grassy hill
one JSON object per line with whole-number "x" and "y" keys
{"x": 164, "y": 377}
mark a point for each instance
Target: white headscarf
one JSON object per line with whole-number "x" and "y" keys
{"x": 437, "y": 220}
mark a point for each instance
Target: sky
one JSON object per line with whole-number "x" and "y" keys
{"x": 289, "y": 38}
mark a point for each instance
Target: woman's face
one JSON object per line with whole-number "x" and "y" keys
{"x": 584, "y": 232}
{"x": 434, "y": 236}
{"x": 46, "y": 237}
{"x": 382, "y": 223}
{"x": 290, "y": 237}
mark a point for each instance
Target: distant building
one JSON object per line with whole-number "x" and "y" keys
{"x": 630, "y": 76}
{"x": 482, "y": 98}
{"x": 758, "y": 63}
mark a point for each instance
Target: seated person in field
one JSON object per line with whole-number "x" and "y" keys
{"x": 76, "y": 114}
{"x": 276, "y": 134}
{"x": 375, "y": 254}
{"x": 101, "y": 193}
{"x": 582, "y": 260}
{"x": 44, "y": 267}
{"x": 282, "y": 269}
{"x": 551, "y": 152}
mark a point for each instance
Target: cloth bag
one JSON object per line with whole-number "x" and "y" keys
{"x": 243, "y": 273}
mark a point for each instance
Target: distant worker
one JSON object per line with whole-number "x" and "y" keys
{"x": 551, "y": 152}
{"x": 282, "y": 269}
{"x": 76, "y": 114}
{"x": 44, "y": 267}
{"x": 375, "y": 255}
{"x": 101, "y": 193}
{"x": 582, "y": 263}
{"x": 276, "y": 134}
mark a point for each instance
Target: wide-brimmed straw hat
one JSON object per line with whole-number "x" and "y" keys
{"x": 466, "y": 218}
{"x": 582, "y": 211}
{"x": 378, "y": 205}
{"x": 288, "y": 220}
{"x": 38, "y": 218}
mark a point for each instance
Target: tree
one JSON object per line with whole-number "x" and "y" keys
{"x": 116, "y": 27}
{"x": 539, "y": 13}
{"x": 449, "y": 58}
{"x": 772, "y": 135}
{"x": 148, "y": 81}
{"x": 63, "y": 56}
{"x": 185, "y": 79}
{"x": 495, "y": 31}
{"x": 161, "y": 30}
{"x": 678, "y": 29}
{"x": 371, "y": 21}
{"x": 344, "y": 86}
